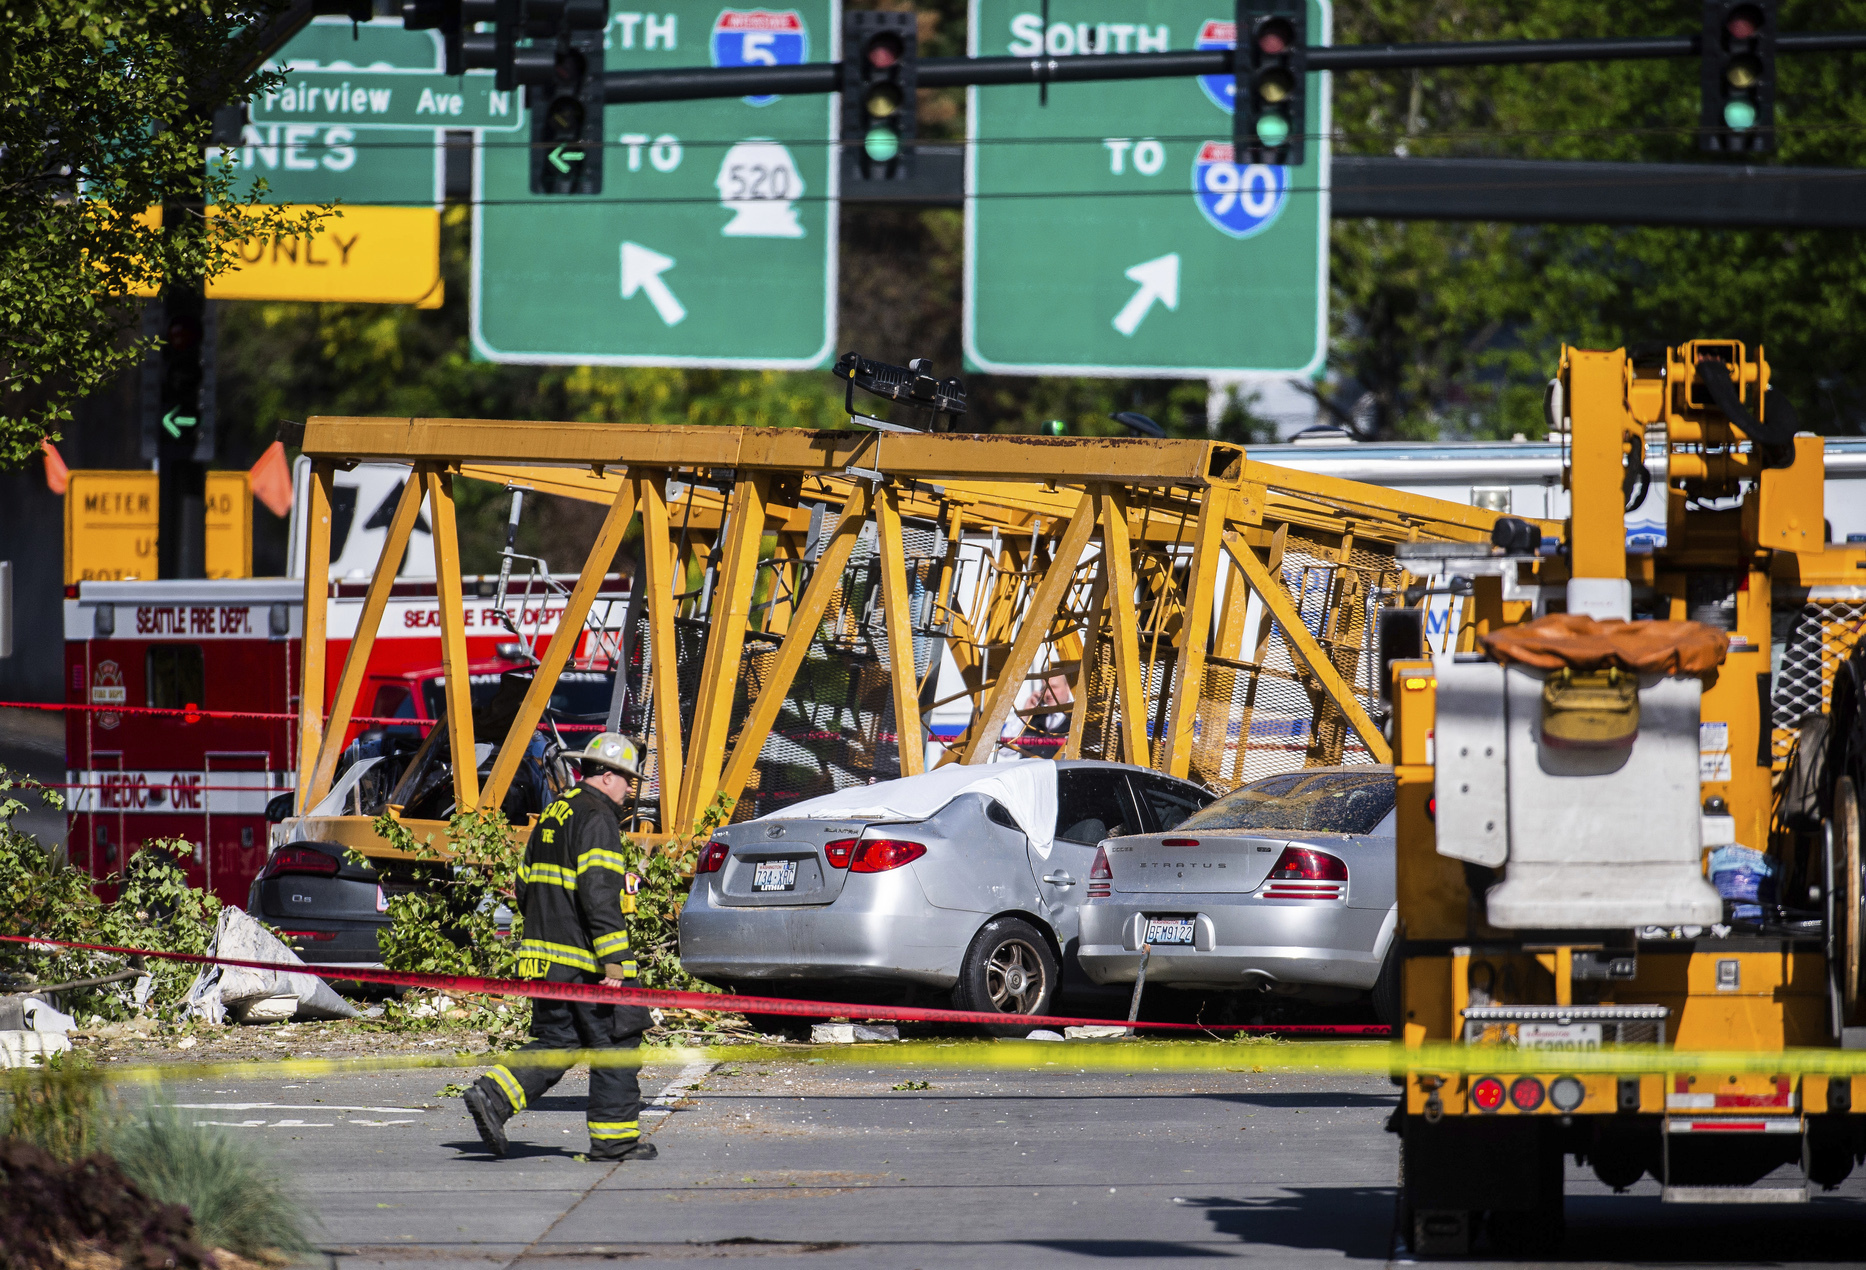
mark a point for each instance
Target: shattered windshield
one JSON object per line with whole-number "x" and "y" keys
{"x": 1302, "y": 802}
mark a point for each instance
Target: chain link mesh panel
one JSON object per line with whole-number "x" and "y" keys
{"x": 1820, "y": 633}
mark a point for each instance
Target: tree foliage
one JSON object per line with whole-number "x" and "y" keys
{"x": 106, "y": 111}
{"x": 154, "y": 908}
{"x": 1449, "y": 329}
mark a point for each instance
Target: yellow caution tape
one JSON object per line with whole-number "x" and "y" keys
{"x": 1121, "y": 1056}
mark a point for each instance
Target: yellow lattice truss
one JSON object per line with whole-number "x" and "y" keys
{"x": 1166, "y": 603}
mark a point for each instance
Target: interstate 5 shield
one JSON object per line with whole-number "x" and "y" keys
{"x": 1111, "y": 232}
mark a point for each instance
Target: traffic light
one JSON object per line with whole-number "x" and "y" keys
{"x": 465, "y": 47}
{"x": 560, "y": 67}
{"x": 563, "y": 69}
{"x": 1267, "y": 120}
{"x": 878, "y": 56}
{"x": 1738, "y": 76}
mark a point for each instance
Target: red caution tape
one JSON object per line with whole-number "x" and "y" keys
{"x": 608, "y": 993}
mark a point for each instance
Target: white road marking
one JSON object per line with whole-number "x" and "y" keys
{"x": 678, "y": 1088}
{"x": 278, "y": 1124}
{"x": 287, "y": 1106}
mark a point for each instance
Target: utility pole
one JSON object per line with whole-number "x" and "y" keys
{"x": 178, "y": 421}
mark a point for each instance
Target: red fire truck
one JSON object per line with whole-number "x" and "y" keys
{"x": 186, "y": 695}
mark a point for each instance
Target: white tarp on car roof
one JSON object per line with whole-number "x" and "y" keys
{"x": 1027, "y": 788}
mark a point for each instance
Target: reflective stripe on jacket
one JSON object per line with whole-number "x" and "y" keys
{"x": 574, "y": 888}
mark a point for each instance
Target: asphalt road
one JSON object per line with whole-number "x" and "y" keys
{"x": 826, "y": 1165}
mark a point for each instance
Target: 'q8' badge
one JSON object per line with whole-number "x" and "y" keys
{"x": 1222, "y": 89}
{"x": 1238, "y": 200}
{"x": 759, "y": 37}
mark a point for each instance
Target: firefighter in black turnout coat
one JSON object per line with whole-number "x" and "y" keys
{"x": 576, "y": 894}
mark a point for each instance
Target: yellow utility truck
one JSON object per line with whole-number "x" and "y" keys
{"x": 1625, "y": 821}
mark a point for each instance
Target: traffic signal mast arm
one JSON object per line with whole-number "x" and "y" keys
{"x": 701, "y": 82}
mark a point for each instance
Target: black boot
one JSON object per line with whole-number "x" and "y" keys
{"x": 487, "y": 1118}
{"x": 640, "y": 1149}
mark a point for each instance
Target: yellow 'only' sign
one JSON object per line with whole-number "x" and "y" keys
{"x": 360, "y": 255}
{"x": 366, "y": 255}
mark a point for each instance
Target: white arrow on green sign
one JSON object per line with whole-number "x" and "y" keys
{"x": 1111, "y": 232}
{"x": 713, "y": 242}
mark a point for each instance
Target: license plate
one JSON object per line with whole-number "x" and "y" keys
{"x": 1558, "y": 1036}
{"x": 774, "y": 875}
{"x": 1169, "y": 930}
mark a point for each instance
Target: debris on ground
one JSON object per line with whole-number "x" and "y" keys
{"x": 850, "y": 1033}
{"x": 86, "y": 1214}
{"x": 259, "y": 996}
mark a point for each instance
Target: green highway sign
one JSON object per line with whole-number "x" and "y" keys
{"x": 360, "y": 116}
{"x": 713, "y": 242}
{"x": 390, "y": 99}
{"x": 1109, "y": 232}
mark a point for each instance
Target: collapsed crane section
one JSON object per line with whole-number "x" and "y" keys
{"x": 820, "y": 609}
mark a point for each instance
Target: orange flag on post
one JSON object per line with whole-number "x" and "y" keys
{"x": 271, "y": 480}
{"x": 57, "y": 475}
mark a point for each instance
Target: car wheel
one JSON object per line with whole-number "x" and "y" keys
{"x": 1009, "y": 969}
{"x": 1386, "y": 991}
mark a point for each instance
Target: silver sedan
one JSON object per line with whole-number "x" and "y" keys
{"x": 966, "y": 880}
{"x": 1284, "y": 885}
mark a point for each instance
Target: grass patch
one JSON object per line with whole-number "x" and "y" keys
{"x": 238, "y": 1198}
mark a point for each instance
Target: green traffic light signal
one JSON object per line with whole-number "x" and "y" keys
{"x": 1739, "y": 114}
{"x": 881, "y": 144}
{"x": 1272, "y": 130}
{"x": 1056, "y": 428}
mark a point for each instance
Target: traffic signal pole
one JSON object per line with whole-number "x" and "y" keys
{"x": 703, "y": 82}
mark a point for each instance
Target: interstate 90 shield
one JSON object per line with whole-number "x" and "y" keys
{"x": 1220, "y": 89}
{"x": 1237, "y": 200}
{"x": 760, "y": 37}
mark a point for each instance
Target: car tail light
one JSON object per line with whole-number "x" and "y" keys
{"x": 302, "y": 860}
{"x": 1487, "y": 1094}
{"x": 1179, "y": 842}
{"x": 1526, "y": 1092}
{"x": 310, "y": 936}
{"x": 714, "y": 857}
{"x": 1101, "y": 877}
{"x": 1303, "y": 873}
{"x": 840, "y": 851}
{"x": 878, "y": 855}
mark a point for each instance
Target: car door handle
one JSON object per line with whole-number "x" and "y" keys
{"x": 1059, "y": 879}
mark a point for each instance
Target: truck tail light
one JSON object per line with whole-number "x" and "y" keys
{"x": 1526, "y": 1092}
{"x": 714, "y": 857}
{"x": 1487, "y": 1094}
{"x": 840, "y": 851}
{"x": 878, "y": 855}
{"x": 303, "y": 860}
